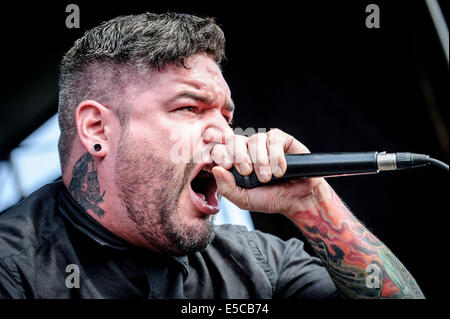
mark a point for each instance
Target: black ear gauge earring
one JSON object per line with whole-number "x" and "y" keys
{"x": 97, "y": 147}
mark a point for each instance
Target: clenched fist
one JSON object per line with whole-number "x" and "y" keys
{"x": 264, "y": 153}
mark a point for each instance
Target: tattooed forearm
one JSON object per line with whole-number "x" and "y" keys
{"x": 360, "y": 265}
{"x": 84, "y": 185}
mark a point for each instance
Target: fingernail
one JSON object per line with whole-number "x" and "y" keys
{"x": 265, "y": 174}
{"x": 245, "y": 168}
{"x": 277, "y": 172}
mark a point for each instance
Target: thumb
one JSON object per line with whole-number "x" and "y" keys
{"x": 225, "y": 182}
{"x": 226, "y": 186}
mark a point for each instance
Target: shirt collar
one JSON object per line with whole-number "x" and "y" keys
{"x": 87, "y": 225}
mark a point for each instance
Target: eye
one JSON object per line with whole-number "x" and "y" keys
{"x": 191, "y": 109}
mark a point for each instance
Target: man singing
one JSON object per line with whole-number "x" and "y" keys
{"x": 132, "y": 218}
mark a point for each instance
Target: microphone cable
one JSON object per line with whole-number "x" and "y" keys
{"x": 438, "y": 163}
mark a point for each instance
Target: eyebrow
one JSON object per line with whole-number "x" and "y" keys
{"x": 200, "y": 98}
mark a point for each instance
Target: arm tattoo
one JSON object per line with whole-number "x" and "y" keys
{"x": 84, "y": 185}
{"x": 360, "y": 265}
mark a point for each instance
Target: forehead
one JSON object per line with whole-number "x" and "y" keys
{"x": 201, "y": 74}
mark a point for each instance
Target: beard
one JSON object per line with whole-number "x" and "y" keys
{"x": 150, "y": 188}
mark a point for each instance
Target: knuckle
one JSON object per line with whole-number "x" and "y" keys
{"x": 258, "y": 137}
{"x": 271, "y": 142}
{"x": 274, "y": 139}
{"x": 262, "y": 161}
{"x": 275, "y": 131}
{"x": 240, "y": 138}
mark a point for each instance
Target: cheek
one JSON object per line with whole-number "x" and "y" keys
{"x": 151, "y": 135}
{"x": 174, "y": 140}
{"x": 182, "y": 144}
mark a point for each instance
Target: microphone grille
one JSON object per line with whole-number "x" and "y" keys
{"x": 249, "y": 181}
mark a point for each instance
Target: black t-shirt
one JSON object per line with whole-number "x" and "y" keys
{"x": 51, "y": 248}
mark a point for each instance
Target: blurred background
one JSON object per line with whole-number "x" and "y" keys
{"x": 313, "y": 70}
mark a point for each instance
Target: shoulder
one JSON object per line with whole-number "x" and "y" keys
{"x": 29, "y": 222}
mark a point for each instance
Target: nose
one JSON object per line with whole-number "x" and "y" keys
{"x": 217, "y": 130}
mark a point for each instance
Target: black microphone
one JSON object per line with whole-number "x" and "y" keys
{"x": 339, "y": 164}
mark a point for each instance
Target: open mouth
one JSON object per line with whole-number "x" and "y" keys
{"x": 204, "y": 186}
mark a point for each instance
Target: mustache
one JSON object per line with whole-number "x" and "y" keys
{"x": 186, "y": 174}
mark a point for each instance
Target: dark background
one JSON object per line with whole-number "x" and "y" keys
{"x": 312, "y": 70}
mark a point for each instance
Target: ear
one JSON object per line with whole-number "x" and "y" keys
{"x": 93, "y": 120}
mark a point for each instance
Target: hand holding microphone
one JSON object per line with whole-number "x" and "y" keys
{"x": 263, "y": 154}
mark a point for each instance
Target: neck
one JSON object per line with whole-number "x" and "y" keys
{"x": 96, "y": 192}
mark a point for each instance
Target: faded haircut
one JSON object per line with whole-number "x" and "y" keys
{"x": 106, "y": 59}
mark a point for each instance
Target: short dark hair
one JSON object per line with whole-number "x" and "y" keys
{"x": 98, "y": 65}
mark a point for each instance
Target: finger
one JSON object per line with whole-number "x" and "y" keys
{"x": 237, "y": 148}
{"x": 290, "y": 144}
{"x": 220, "y": 156}
{"x": 276, "y": 144}
{"x": 257, "y": 147}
